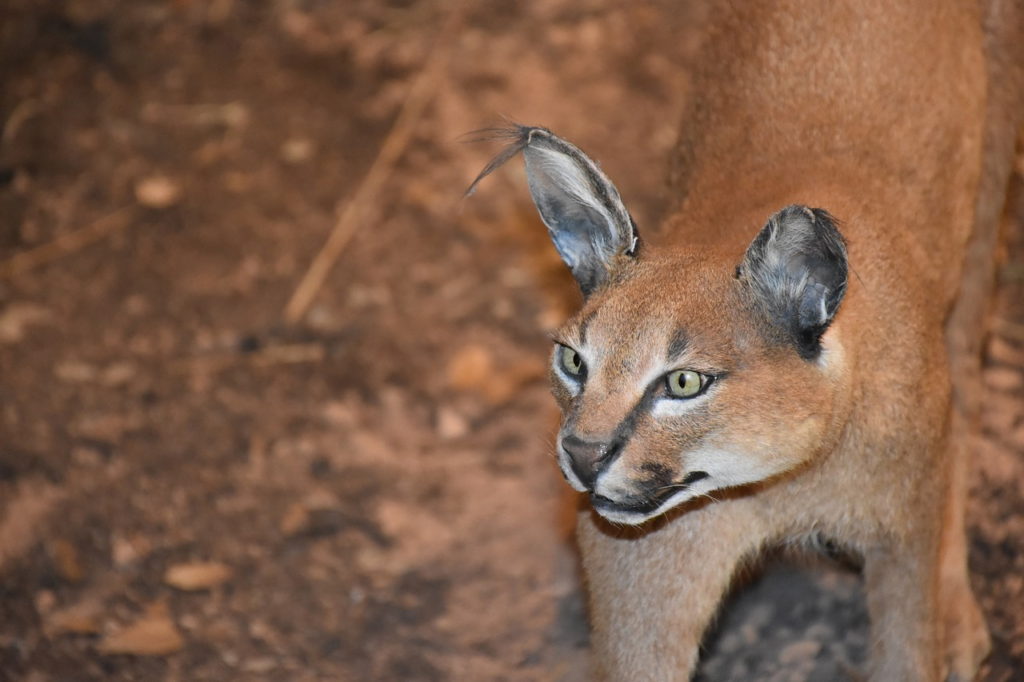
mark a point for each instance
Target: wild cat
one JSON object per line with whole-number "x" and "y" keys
{"x": 727, "y": 386}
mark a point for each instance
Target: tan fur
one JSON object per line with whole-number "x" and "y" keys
{"x": 887, "y": 115}
{"x": 875, "y": 112}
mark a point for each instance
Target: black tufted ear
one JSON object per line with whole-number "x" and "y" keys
{"x": 797, "y": 269}
{"x": 585, "y": 217}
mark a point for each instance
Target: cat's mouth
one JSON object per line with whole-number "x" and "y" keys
{"x": 638, "y": 508}
{"x": 643, "y": 506}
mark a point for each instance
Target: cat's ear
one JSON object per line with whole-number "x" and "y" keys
{"x": 797, "y": 268}
{"x": 591, "y": 228}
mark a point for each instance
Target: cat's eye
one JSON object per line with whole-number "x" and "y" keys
{"x": 685, "y": 383}
{"x": 571, "y": 360}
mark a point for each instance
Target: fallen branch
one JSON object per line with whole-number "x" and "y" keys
{"x": 286, "y": 354}
{"x": 398, "y": 138}
{"x": 68, "y": 243}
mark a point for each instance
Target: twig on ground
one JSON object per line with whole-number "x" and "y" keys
{"x": 209, "y": 364}
{"x": 21, "y": 113}
{"x": 68, "y": 243}
{"x": 398, "y": 138}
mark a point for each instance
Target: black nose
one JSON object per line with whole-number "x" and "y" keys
{"x": 588, "y": 458}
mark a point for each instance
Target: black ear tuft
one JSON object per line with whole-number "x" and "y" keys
{"x": 797, "y": 268}
{"x": 580, "y": 206}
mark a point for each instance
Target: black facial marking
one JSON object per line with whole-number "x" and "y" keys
{"x": 584, "y": 325}
{"x": 622, "y": 434}
{"x": 678, "y": 344}
{"x": 646, "y": 503}
{"x": 658, "y": 474}
{"x": 694, "y": 476}
{"x": 640, "y": 506}
{"x": 627, "y": 427}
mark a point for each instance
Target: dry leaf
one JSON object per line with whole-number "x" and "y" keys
{"x": 16, "y": 317}
{"x": 65, "y": 558}
{"x": 1004, "y": 378}
{"x": 297, "y": 150}
{"x": 451, "y": 424}
{"x": 259, "y": 666}
{"x": 128, "y": 550}
{"x": 153, "y": 635}
{"x": 1002, "y": 351}
{"x": 471, "y": 368}
{"x": 81, "y": 619}
{"x": 197, "y": 576}
{"x": 29, "y": 508}
{"x": 118, "y": 374}
{"x": 295, "y": 521}
{"x": 45, "y": 601}
{"x": 317, "y": 514}
{"x": 339, "y": 413}
{"x": 157, "y": 192}
{"x": 75, "y": 372}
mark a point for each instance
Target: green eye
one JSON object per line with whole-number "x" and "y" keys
{"x": 571, "y": 360}
{"x": 685, "y": 383}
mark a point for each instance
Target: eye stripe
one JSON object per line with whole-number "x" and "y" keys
{"x": 627, "y": 427}
{"x": 573, "y": 333}
{"x": 677, "y": 346}
{"x": 649, "y": 404}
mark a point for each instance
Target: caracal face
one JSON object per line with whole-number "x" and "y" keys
{"x": 672, "y": 388}
{"x": 686, "y": 372}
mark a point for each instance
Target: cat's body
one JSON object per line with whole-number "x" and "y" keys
{"x": 727, "y": 388}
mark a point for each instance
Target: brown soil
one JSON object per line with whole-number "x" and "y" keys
{"x": 371, "y": 493}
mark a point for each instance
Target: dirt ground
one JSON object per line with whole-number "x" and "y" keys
{"x": 192, "y": 489}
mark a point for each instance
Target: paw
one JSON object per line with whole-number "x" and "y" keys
{"x": 967, "y": 639}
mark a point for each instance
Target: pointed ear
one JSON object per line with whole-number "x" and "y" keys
{"x": 797, "y": 270}
{"x": 590, "y": 227}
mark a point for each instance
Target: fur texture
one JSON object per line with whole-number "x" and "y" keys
{"x": 814, "y": 405}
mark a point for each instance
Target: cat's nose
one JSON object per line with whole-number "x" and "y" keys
{"x": 588, "y": 458}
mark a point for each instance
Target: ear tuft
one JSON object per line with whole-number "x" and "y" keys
{"x": 585, "y": 217}
{"x": 797, "y": 268}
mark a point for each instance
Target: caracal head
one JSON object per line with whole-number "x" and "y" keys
{"x": 684, "y": 373}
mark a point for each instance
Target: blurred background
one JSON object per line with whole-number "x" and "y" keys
{"x": 197, "y": 485}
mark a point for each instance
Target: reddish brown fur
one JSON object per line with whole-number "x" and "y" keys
{"x": 877, "y": 112}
